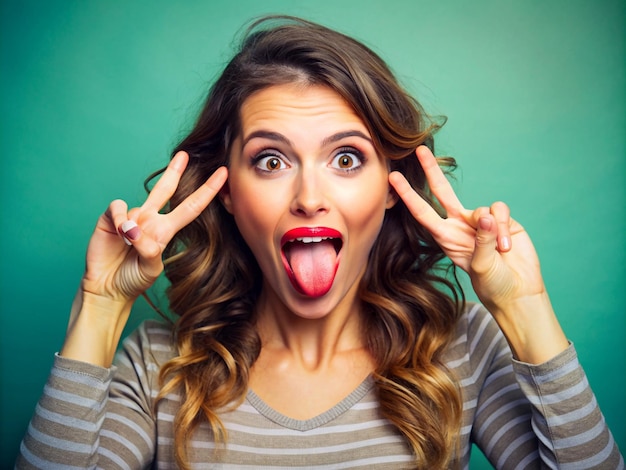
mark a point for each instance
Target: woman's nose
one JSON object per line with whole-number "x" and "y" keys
{"x": 309, "y": 194}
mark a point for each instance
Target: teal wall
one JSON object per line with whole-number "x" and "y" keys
{"x": 96, "y": 93}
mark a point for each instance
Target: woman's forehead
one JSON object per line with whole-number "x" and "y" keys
{"x": 290, "y": 103}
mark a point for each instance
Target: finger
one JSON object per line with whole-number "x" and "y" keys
{"x": 418, "y": 207}
{"x": 502, "y": 215}
{"x": 126, "y": 225}
{"x": 167, "y": 183}
{"x": 195, "y": 203}
{"x": 117, "y": 213}
{"x": 439, "y": 184}
{"x": 121, "y": 219}
{"x": 485, "y": 253}
{"x": 473, "y": 217}
{"x": 105, "y": 221}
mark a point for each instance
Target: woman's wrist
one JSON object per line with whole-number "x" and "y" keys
{"x": 531, "y": 328}
{"x": 95, "y": 328}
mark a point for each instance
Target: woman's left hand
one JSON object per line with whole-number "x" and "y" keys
{"x": 488, "y": 244}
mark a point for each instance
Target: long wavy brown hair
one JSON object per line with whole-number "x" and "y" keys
{"x": 410, "y": 306}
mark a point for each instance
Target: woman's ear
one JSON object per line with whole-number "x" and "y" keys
{"x": 392, "y": 198}
{"x": 225, "y": 198}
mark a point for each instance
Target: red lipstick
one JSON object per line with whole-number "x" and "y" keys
{"x": 303, "y": 232}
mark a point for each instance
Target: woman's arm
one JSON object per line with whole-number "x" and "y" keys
{"x": 499, "y": 257}
{"x": 503, "y": 266}
{"x": 74, "y": 422}
{"x": 124, "y": 259}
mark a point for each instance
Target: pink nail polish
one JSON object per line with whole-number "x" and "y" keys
{"x": 506, "y": 243}
{"x": 131, "y": 231}
{"x": 484, "y": 223}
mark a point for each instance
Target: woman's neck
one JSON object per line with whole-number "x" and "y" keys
{"x": 308, "y": 365}
{"x": 310, "y": 343}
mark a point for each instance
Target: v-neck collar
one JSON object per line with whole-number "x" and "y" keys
{"x": 317, "y": 421}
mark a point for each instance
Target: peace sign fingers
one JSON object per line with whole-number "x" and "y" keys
{"x": 165, "y": 226}
{"x": 456, "y": 232}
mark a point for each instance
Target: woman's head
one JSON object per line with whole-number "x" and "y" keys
{"x": 286, "y": 51}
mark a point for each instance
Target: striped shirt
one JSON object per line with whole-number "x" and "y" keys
{"x": 519, "y": 415}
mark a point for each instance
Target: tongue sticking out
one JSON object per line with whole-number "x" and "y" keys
{"x": 313, "y": 266}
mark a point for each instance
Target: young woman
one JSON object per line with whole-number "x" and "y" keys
{"x": 305, "y": 239}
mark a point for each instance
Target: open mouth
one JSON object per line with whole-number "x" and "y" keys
{"x": 311, "y": 258}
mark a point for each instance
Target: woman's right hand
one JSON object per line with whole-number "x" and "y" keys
{"x": 124, "y": 258}
{"x": 121, "y": 271}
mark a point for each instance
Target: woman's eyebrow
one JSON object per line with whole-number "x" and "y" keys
{"x": 342, "y": 135}
{"x": 266, "y": 135}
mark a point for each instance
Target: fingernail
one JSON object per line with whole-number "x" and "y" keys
{"x": 131, "y": 231}
{"x": 484, "y": 223}
{"x": 505, "y": 243}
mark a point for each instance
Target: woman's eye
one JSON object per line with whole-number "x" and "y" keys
{"x": 270, "y": 163}
{"x": 346, "y": 161}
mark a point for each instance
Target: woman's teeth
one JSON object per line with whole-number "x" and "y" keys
{"x": 311, "y": 239}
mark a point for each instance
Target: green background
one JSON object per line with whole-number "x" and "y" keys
{"x": 96, "y": 93}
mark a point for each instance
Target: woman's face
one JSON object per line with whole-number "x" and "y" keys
{"x": 308, "y": 192}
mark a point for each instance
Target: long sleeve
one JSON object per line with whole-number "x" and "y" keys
{"x": 65, "y": 429}
{"x": 566, "y": 419}
{"x": 91, "y": 417}
{"x": 536, "y": 416}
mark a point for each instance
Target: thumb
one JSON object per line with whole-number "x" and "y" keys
{"x": 485, "y": 252}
